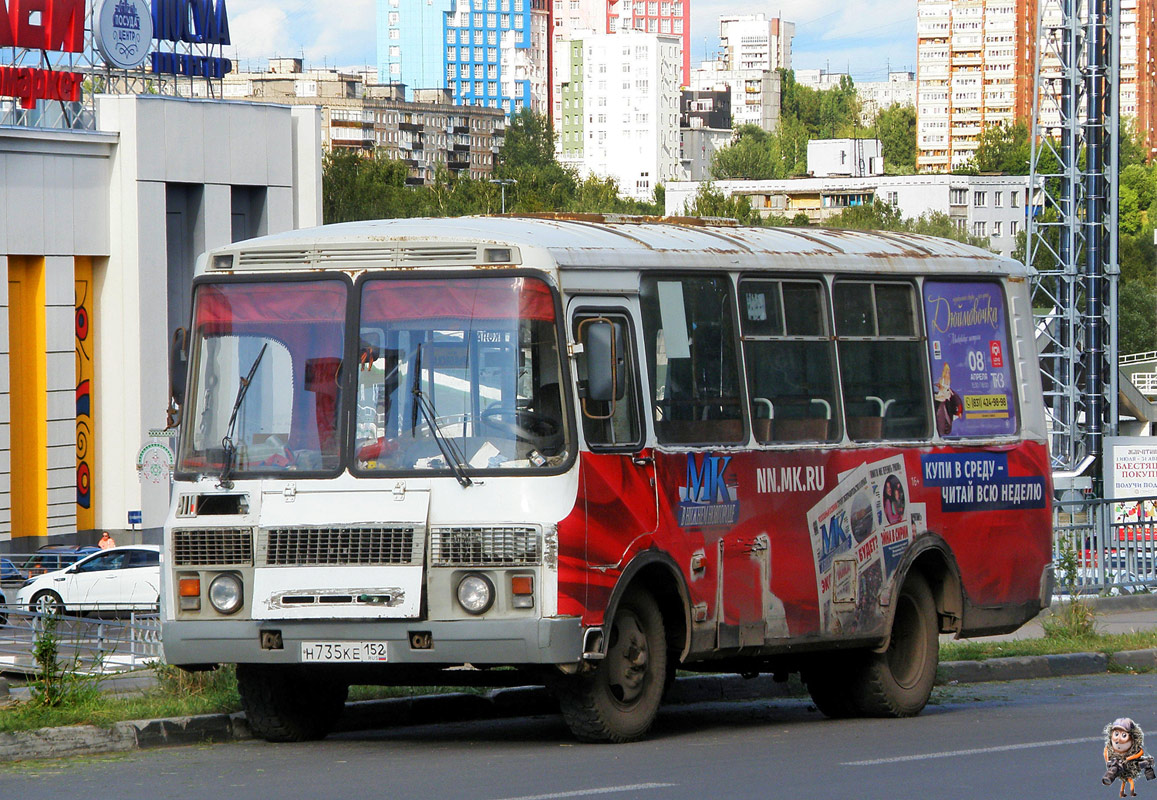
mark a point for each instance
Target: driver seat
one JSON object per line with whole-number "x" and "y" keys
{"x": 548, "y": 403}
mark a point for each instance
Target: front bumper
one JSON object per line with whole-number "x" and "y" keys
{"x": 555, "y": 640}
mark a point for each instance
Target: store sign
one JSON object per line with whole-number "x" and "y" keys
{"x": 123, "y": 32}
{"x": 194, "y": 22}
{"x": 49, "y": 26}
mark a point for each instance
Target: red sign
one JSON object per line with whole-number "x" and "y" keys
{"x": 56, "y": 25}
{"x": 995, "y": 354}
{"x": 50, "y": 25}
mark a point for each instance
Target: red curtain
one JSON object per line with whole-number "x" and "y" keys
{"x": 458, "y": 298}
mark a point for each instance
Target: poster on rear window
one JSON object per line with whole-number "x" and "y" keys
{"x": 971, "y": 365}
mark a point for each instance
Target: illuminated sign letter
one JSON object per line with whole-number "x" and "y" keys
{"x": 65, "y": 29}
{"x": 7, "y": 33}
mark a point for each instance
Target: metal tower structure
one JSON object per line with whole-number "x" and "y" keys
{"x": 1072, "y": 225}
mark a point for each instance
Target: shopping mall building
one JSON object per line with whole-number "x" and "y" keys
{"x": 100, "y": 226}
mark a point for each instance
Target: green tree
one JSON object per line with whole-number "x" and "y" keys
{"x": 1002, "y": 149}
{"x": 529, "y": 142}
{"x": 748, "y": 156}
{"x": 895, "y": 127}
{"x": 356, "y": 186}
{"x": 1136, "y": 318}
{"x": 710, "y": 202}
{"x": 874, "y": 216}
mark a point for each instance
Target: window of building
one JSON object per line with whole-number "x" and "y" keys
{"x": 395, "y": 34}
{"x": 980, "y": 199}
{"x": 1012, "y": 228}
{"x": 882, "y": 373}
{"x": 1014, "y": 199}
{"x": 997, "y": 199}
{"x": 689, "y": 331}
{"x": 996, "y": 229}
{"x": 958, "y": 197}
{"x": 980, "y": 228}
{"x": 492, "y": 54}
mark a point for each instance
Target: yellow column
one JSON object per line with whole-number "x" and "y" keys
{"x": 28, "y": 386}
{"x": 85, "y": 397}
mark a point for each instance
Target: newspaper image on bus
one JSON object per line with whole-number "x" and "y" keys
{"x": 860, "y": 531}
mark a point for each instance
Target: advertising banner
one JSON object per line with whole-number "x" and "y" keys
{"x": 972, "y": 375}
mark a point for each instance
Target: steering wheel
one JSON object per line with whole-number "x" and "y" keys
{"x": 533, "y": 427}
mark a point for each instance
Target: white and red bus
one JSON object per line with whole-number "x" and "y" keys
{"x": 419, "y": 451}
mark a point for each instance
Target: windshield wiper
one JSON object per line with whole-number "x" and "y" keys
{"x": 446, "y": 446}
{"x": 227, "y": 442}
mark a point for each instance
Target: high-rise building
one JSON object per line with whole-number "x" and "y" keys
{"x": 751, "y": 41}
{"x": 571, "y": 19}
{"x": 490, "y": 53}
{"x": 621, "y": 109}
{"x": 975, "y": 69}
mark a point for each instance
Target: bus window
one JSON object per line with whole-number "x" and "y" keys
{"x": 611, "y": 425}
{"x": 972, "y": 385}
{"x": 688, "y": 326}
{"x": 790, "y": 360}
{"x": 885, "y": 388}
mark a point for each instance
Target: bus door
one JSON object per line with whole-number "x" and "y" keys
{"x": 617, "y": 473}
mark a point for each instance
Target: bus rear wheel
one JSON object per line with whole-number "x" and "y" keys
{"x": 898, "y": 681}
{"x": 286, "y": 704}
{"x": 618, "y": 701}
{"x": 894, "y": 683}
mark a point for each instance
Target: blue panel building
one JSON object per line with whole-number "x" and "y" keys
{"x": 479, "y": 49}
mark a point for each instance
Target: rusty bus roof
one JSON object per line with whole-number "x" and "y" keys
{"x": 590, "y": 241}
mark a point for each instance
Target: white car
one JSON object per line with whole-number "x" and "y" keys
{"x": 118, "y": 579}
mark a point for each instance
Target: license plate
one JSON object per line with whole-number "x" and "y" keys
{"x": 343, "y": 652}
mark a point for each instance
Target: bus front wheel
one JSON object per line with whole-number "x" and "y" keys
{"x": 618, "y": 700}
{"x": 286, "y": 704}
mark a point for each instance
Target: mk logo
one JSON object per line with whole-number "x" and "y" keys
{"x": 705, "y": 482}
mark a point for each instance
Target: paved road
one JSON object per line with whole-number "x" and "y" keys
{"x": 1025, "y": 739}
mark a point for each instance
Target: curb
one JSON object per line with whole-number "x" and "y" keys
{"x": 515, "y": 702}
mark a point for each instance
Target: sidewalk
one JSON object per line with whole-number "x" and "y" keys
{"x": 1114, "y": 615}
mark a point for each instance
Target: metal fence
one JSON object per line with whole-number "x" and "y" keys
{"x": 113, "y": 642}
{"x": 1113, "y": 543}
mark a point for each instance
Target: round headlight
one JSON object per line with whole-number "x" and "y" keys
{"x": 225, "y": 593}
{"x": 475, "y": 594}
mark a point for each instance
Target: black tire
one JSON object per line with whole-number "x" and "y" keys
{"x": 285, "y": 704}
{"x": 832, "y": 685}
{"x": 898, "y": 682}
{"x": 47, "y": 602}
{"x": 618, "y": 701}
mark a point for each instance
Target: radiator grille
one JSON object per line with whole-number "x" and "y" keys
{"x": 301, "y": 547}
{"x": 484, "y": 546}
{"x": 216, "y": 547}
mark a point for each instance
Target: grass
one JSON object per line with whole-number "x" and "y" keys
{"x": 1049, "y": 645}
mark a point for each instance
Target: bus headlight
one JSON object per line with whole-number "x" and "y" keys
{"x": 475, "y": 594}
{"x": 225, "y": 593}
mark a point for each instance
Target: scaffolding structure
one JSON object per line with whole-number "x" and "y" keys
{"x": 1072, "y": 228}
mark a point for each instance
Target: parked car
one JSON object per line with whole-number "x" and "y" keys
{"x": 52, "y": 557}
{"x": 119, "y": 579}
{"x": 9, "y": 571}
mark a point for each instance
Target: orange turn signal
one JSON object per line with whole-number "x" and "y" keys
{"x": 522, "y": 584}
{"x": 189, "y": 587}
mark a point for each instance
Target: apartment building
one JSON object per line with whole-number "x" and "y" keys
{"x": 575, "y": 19}
{"x": 426, "y": 132}
{"x": 620, "y": 116}
{"x": 991, "y": 207}
{"x": 488, "y": 53}
{"x": 751, "y": 41}
{"x": 975, "y": 69}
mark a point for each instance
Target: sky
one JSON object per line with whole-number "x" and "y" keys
{"x": 869, "y": 37}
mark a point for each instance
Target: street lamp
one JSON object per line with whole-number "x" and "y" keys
{"x": 504, "y": 182}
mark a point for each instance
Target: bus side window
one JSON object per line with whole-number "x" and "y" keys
{"x": 885, "y": 387}
{"x": 790, "y": 360}
{"x": 689, "y": 330}
{"x": 616, "y": 424}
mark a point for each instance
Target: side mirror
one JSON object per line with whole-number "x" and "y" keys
{"x": 605, "y": 351}
{"x": 178, "y": 375}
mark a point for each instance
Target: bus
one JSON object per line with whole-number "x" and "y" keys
{"x": 583, "y": 452}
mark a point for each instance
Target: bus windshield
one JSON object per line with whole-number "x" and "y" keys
{"x": 459, "y": 373}
{"x": 265, "y": 393}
